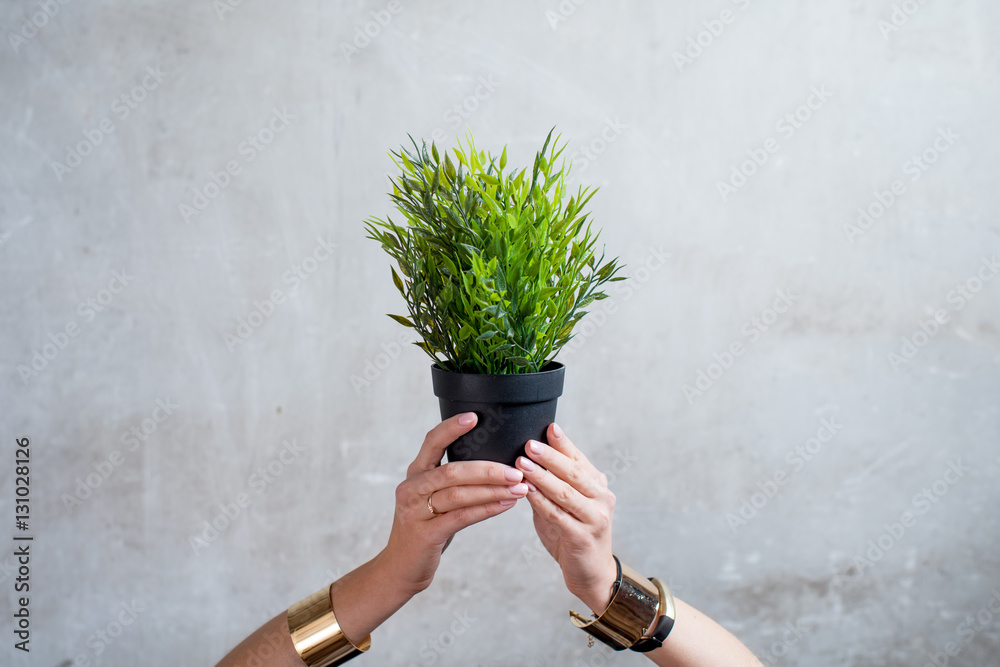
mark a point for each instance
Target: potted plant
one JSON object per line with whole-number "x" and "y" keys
{"x": 496, "y": 266}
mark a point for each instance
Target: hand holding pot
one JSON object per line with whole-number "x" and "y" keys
{"x": 436, "y": 501}
{"x": 572, "y": 509}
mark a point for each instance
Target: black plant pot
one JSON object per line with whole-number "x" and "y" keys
{"x": 512, "y": 409}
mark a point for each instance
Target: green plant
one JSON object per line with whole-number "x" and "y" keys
{"x": 497, "y": 266}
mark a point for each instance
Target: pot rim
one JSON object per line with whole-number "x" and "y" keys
{"x": 499, "y": 388}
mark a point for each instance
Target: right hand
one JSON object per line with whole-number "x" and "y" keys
{"x": 572, "y": 510}
{"x": 462, "y": 492}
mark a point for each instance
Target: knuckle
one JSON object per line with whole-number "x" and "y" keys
{"x": 453, "y": 495}
{"x": 450, "y": 472}
{"x": 402, "y": 492}
{"x": 604, "y": 480}
{"x": 611, "y": 499}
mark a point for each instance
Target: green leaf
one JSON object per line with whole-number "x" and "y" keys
{"x": 398, "y": 282}
{"x": 402, "y": 320}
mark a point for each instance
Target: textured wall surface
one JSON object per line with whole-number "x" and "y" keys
{"x": 812, "y": 185}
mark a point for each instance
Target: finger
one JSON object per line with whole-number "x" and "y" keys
{"x": 438, "y": 438}
{"x": 464, "y": 473}
{"x": 558, "y": 491}
{"x": 467, "y": 516}
{"x": 555, "y": 518}
{"x": 561, "y": 443}
{"x": 457, "y": 497}
{"x": 579, "y": 474}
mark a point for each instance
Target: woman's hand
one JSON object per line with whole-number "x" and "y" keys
{"x": 572, "y": 508}
{"x": 462, "y": 493}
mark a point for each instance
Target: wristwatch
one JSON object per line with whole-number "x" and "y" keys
{"x": 639, "y": 617}
{"x": 664, "y": 623}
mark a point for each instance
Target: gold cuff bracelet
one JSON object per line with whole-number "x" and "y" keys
{"x": 316, "y": 634}
{"x": 635, "y": 616}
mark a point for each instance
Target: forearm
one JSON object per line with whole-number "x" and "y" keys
{"x": 362, "y": 601}
{"x": 698, "y": 641}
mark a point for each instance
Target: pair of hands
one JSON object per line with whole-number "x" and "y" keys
{"x": 571, "y": 504}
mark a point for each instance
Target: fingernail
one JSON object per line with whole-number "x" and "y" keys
{"x": 534, "y": 447}
{"x": 556, "y": 431}
{"x": 467, "y": 418}
{"x": 508, "y": 502}
{"x": 526, "y": 463}
{"x": 532, "y": 488}
{"x": 513, "y": 475}
{"x": 519, "y": 489}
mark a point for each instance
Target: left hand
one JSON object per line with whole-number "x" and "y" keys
{"x": 572, "y": 508}
{"x": 462, "y": 492}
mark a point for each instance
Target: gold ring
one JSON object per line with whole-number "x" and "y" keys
{"x": 430, "y": 506}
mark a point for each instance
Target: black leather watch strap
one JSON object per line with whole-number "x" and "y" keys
{"x": 664, "y": 622}
{"x": 655, "y": 641}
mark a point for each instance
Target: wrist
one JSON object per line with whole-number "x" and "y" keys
{"x": 390, "y": 573}
{"x": 597, "y": 595}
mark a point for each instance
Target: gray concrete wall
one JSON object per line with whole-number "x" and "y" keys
{"x": 798, "y": 491}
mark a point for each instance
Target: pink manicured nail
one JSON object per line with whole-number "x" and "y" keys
{"x": 556, "y": 431}
{"x": 535, "y": 447}
{"x": 508, "y": 502}
{"x": 518, "y": 489}
{"x": 513, "y": 475}
{"x": 467, "y": 419}
{"x": 526, "y": 463}
{"x": 532, "y": 488}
